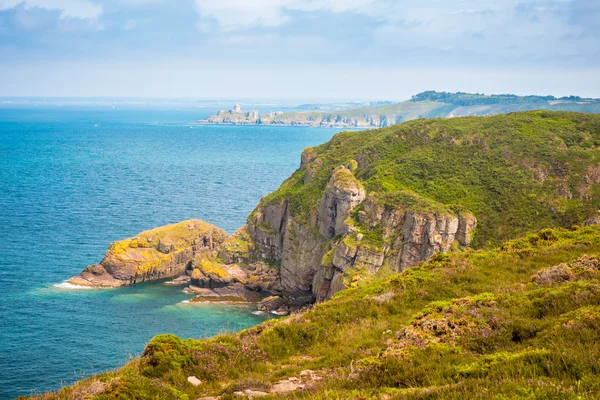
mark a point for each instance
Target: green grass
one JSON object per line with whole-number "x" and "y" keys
{"x": 496, "y": 323}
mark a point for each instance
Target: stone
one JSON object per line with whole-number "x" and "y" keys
{"x": 286, "y": 386}
{"x": 271, "y": 303}
{"x": 593, "y": 220}
{"x": 193, "y": 380}
{"x": 181, "y": 280}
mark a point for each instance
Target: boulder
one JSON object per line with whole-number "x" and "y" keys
{"x": 271, "y": 303}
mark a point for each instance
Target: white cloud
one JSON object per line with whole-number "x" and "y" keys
{"x": 236, "y": 14}
{"x": 83, "y": 9}
{"x": 524, "y": 29}
{"x": 241, "y": 14}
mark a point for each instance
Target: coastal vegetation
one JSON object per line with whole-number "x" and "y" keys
{"x": 516, "y": 321}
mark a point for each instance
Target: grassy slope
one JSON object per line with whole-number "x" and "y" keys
{"x": 483, "y": 324}
{"x": 491, "y": 166}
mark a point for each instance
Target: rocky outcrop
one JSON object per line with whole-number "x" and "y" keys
{"x": 315, "y": 264}
{"x": 342, "y": 194}
{"x": 159, "y": 253}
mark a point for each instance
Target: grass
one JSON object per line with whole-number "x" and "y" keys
{"x": 498, "y": 323}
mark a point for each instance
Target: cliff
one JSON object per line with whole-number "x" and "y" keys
{"x": 160, "y": 253}
{"x": 363, "y": 205}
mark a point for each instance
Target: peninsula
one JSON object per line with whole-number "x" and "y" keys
{"x": 429, "y": 104}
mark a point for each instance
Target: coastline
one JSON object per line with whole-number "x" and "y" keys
{"x": 294, "y": 124}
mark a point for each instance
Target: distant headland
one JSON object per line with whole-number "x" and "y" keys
{"x": 430, "y": 104}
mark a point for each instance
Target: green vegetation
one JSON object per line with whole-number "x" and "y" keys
{"x": 516, "y": 173}
{"x": 518, "y": 321}
{"x": 472, "y": 99}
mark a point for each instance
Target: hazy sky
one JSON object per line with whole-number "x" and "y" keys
{"x": 354, "y": 49}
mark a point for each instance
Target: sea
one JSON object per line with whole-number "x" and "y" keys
{"x": 76, "y": 176}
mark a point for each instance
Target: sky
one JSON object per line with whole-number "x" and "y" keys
{"x": 287, "y": 49}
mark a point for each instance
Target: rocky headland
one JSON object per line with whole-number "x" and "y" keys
{"x": 429, "y": 104}
{"x": 357, "y": 208}
{"x": 276, "y": 261}
{"x": 160, "y": 253}
{"x": 462, "y": 247}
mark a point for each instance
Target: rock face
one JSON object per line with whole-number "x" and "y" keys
{"x": 159, "y": 253}
{"x": 329, "y": 253}
{"x": 343, "y": 193}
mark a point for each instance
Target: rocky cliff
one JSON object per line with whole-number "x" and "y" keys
{"x": 330, "y": 251}
{"x": 159, "y": 253}
{"x": 370, "y": 204}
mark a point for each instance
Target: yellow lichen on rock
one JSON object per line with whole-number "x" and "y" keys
{"x": 158, "y": 253}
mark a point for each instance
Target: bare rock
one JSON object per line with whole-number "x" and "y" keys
{"x": 181, "y": 280}
{"x": 194, "y": 381}
{"x": 286, "y": 386}
{"x": 466, "y": 225}
{"x": 343, "y": 193}
{"x": 96, "y": 276}
{"x": 593, "y": 220}
{"x": 271, "y": 303}
{"x": 250, "y": 394}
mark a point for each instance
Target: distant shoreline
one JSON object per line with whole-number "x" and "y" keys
{"x": 299, "y": 124}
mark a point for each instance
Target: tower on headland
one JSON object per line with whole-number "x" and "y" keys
{"x": 237, "y": 109}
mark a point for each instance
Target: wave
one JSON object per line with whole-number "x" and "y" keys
{"x": 69, "y": 286}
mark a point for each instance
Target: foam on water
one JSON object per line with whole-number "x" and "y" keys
{"x": 69, "y": 286}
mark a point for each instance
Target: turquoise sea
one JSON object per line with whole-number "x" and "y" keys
{"x": 74, "y": 178}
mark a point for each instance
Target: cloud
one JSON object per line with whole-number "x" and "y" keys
{"x": 83, "y": 9}
{"x": 241, "y": 14}
{"x": 485, "y": 30}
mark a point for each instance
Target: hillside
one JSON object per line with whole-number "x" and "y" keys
{"x": 413, "y": 222}
{"x": 429, "y": 104}
{"x": 518, "y": 321}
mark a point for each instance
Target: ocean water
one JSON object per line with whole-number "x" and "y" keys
{"x": 75, "y": 178}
